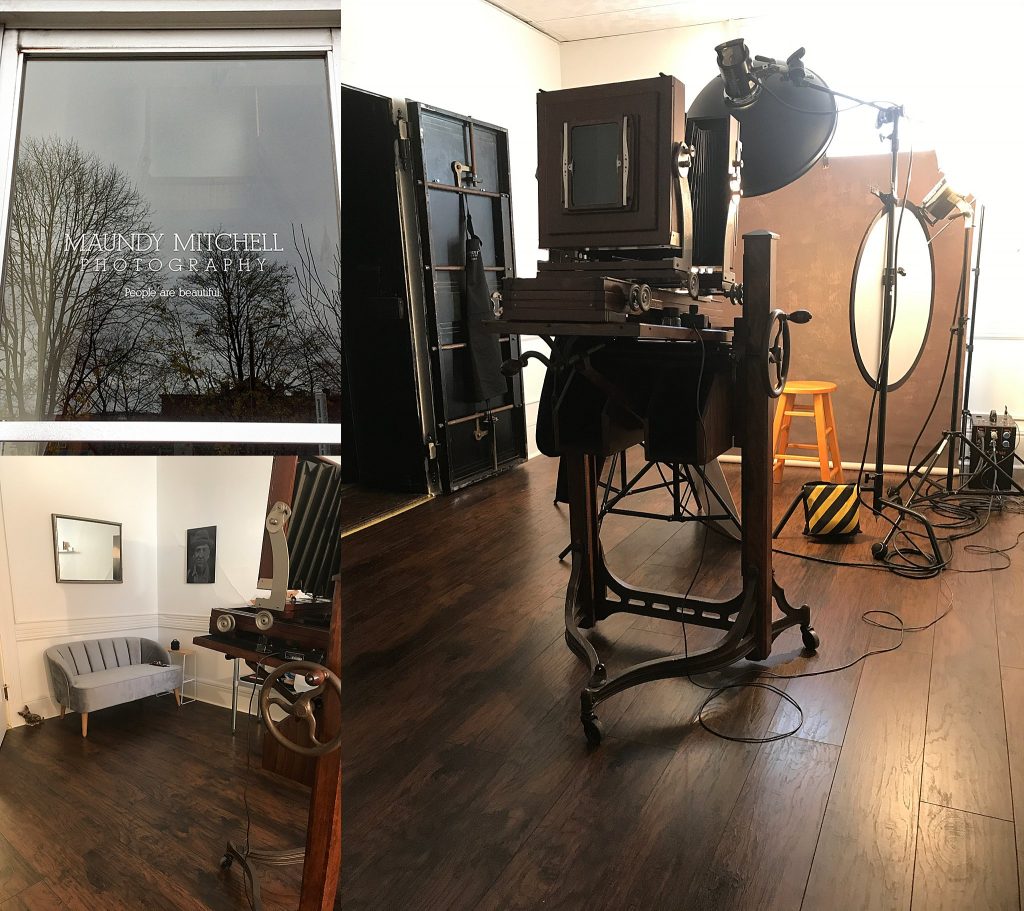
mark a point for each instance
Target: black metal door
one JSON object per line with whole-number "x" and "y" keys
{"x": 461, "y": 165}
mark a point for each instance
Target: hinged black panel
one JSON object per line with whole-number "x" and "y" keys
{"x": 461, "y": 167}
{"x": 382, "y": 440}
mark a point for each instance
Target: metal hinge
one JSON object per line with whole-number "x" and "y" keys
{"x": 404, "y": 145}
{"x": 6, "y": 697}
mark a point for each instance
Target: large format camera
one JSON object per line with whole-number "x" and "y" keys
{"x": 636, "y": 204}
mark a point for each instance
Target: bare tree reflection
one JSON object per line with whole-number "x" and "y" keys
{"x": 229, "y": 323}
{"x": 318, "y": 321}
{"x": 67, "y": 329}
{"x": 81, "y": 335}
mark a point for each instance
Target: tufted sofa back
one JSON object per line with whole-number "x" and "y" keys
{"x": 97, "y": 654}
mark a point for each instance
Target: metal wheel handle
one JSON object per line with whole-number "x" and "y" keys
{"x": 776, "y": 345}
{"x": 317, "y": 676}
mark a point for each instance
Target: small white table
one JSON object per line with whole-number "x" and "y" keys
{"x": 187, "y": 679}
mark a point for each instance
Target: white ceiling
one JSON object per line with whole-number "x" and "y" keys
{"x": 576, "y": 20}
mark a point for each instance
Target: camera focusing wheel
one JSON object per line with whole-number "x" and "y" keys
{"x": 776, "y": 346}
{"x": 320, "y": 678}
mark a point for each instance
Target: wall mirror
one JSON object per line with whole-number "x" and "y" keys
{"x": 86, "y": 550}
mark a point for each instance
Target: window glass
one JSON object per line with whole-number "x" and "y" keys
{"x": 172, "y": 250}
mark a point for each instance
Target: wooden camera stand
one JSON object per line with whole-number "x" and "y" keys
{"x": 753, "y": 372}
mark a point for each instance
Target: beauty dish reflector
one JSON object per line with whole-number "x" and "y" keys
{"x": 784, "y": 131}
{"x": 915, "y": 293}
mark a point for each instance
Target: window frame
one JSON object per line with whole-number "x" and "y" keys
{"x": 17, "y": 46}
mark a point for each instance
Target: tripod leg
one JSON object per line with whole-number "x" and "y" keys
{"x": 708, "y": 482}
{"x": 882, "y": 548}
{"x": 789, "y": 513}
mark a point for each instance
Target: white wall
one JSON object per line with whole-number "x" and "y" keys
{"x": 472, "y": 58}
{"x": 466, "y": 56}
{"x": 157, "y": 500}
{"x": 231, "y": 493}
{"x": 938, "y": 59}
{"x": 37, "y": 612}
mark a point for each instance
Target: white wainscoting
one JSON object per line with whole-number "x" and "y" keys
{"x": 83, "y": 628}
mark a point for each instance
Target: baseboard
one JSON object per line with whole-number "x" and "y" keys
{"x": 44, "y": 706}
{"x": 847, "y": 466}
{"x": 212, "y": 692}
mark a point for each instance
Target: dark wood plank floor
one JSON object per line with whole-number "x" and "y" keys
{"x": 137, "y": 815}
{"x": 468, "y": 783}
{"x": 362, "y": 506}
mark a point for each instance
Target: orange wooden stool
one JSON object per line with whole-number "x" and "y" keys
{"x": 827, "y": 447}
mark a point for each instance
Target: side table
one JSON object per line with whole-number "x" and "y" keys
{"x": 188, "y": 674}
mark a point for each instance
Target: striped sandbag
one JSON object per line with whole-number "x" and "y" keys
{"x": 831, "y": 510}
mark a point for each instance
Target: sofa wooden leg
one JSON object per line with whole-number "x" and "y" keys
{"x": 63, "y": 709}
{"x": 177, "y": 696}
{"x": 85, "y": 724}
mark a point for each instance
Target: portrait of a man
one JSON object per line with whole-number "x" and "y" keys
{"x": 201, "y": 554}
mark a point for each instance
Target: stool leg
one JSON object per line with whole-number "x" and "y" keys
{"x": 784, "y": 403}
{"x": 833, "y": 441}
{"x": 819, "y": 423}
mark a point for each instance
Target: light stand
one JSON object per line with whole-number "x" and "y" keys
{"x": 891, "y": 115}
{"x": 956, "y": 409}
{"x": 784, "y": 131}
{"x": 965, "y": 417}
{"x": 744, "y": 84}
{"x": 954, "y": 442}
{"x": 887, "y": 113}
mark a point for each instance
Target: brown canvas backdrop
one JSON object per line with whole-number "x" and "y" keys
{"x": 821, "y": 219}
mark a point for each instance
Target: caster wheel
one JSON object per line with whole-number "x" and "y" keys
{"x": 810, "y": 638}
{"x": 226, "y": 861}
{"x": 594, "y": 731}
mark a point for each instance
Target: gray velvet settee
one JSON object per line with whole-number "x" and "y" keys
{"x": 99, "y": 673}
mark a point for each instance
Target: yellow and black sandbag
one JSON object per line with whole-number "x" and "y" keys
{"x": 831, "y": 510}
